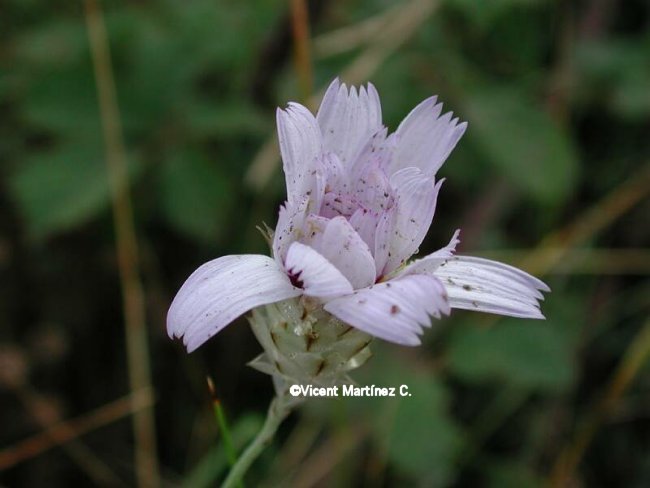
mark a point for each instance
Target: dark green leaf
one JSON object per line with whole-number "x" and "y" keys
{"x": 424, "y": 439}
{"x": 418, "y": 430}
{"x": 195, "y": 194}
{"x": 483, "y": 13}
{"x": 531, "y": 355}
{"x": 510, "y": 474}
{"x": 64, "y": 101}
{"x": 61, "y": 188}
{"x": 520, "y": 138}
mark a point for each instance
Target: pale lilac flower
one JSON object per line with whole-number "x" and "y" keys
{"x": 359, "y": 203}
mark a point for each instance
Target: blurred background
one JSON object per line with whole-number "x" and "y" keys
{"x": 552, "y": 175}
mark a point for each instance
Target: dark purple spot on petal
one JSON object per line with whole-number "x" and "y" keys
{"x": 295, "y": 278}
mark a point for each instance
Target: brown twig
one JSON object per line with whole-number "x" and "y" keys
{"x": 93, "y": 466}
{"x": 552, "y": 250}
{"x": 401, "y": 28}
{"x": 350, "y": 37}
{"x": 67, "y": 431}
{"x": 598, "y": 261}
{"x": 127, "y": 246}
{"x": 302, "y": 49}
{"x": 563, "y": 71}
{"x": 638, "y": 352}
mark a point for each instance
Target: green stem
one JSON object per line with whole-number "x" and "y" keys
{"x": 228, "y": 446}
{"x": 278, "y": 410}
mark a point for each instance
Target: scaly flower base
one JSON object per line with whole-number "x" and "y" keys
{"x": 305, "y": 345}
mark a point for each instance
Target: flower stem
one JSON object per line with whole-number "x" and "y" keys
{"x": 278, "y": 410}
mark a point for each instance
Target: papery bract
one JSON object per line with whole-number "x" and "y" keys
{"x": 359, "y": 204}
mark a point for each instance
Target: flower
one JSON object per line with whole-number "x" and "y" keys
{"x": 359, "y": 204}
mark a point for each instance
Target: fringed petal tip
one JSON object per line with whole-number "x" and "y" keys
{"x": 220, "y": 291}
{"x": 426, "y": 138}
{"x": 489, "y": 286}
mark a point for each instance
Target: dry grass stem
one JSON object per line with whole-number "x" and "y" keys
{"x": 636, "y": 356}
{"x": 586, "y": 261}
{"x": 302, "y": 49}
{"x": 353, "y": 36}
{"x": 45, "y": 413}
{"x": 553, "y": 249}
{"x": 67, "y": 431}
{"x": 127, "y": 245}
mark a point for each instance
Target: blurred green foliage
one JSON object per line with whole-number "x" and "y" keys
{"x": 538, "y": 156}
{"x": 534, "y": 357}
{"x": 557, "y": 96}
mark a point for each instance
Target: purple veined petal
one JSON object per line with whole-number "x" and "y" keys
{"x": 489, "y": 286}
{"x": 220, "y": 291}
{"x": 416, "y": 196}
{"x": 373, "y": 190}
{"x": 338, "y": 204}
{"x": 378, "y": 151}
{"x": 345, "y": 249}
{"x": 289, "y": 228}
{"x": 425, "y": 139}
{"x": 348, "y": 118}
{"x": 334, "y": 174}
{"x": 365, "y": 223}
{"x": 314, "y": 273}
{"x": 383, "y": 234}
{"x": 396, "y": 310}
{"x": 301, "y": 146}
{"x": 429, "y": 263}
